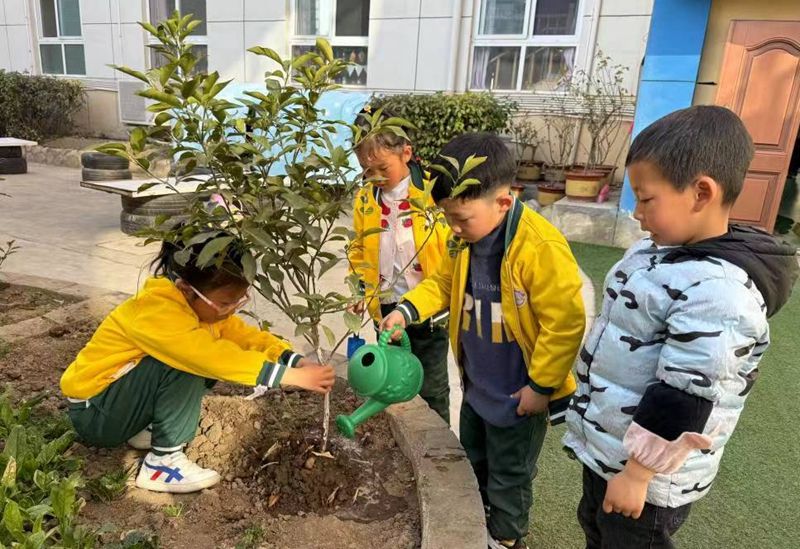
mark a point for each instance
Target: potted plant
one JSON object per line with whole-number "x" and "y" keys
{"x": 526, "y": 141}
{"x": 560, "y": 126}
{"x": 602, "y": 97}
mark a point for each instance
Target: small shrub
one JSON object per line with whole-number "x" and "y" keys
{"x": 251, "y": 538}
{"x": 173, "y": 511}
{"x": 439, "y": 118}
{"x": 111, "y": 486}
{"x": 39, "y": 481}
{"x": 37, "y": 107}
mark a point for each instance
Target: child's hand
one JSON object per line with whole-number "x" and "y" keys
{"x": 626, "y": 491}
{"x": 530, "y": 402}
{"x": 392, "y": 320}
{"x": 358, "y": 307}
{"x": 311, "y": 376}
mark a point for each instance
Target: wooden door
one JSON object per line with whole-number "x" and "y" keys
{"x": 760, "y": 81}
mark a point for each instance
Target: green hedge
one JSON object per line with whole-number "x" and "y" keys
{"x": 37, "y": 107}
{"x": 439, "y": 117}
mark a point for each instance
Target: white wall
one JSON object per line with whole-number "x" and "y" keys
{"x": 16, "y": 51}
{"x": 409, "y": 40}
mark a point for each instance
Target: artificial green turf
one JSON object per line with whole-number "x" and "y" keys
{"x": 755, "y": 500}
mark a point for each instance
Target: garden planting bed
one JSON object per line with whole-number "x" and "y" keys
{"x": 275, "y": 492}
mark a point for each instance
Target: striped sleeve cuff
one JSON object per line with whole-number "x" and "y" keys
{"x": 271, "y": 374}
{"x": 290, "y": 358}
{"x": 539, "y": 389}
{"x": 408, "y": 311}
{"x": 440, "y": 317}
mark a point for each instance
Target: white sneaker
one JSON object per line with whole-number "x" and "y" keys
{"x": 174, "y": 473}
{"x": 142, "y": 440}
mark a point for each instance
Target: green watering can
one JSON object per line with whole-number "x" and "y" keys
{"x": 385, "y": 374}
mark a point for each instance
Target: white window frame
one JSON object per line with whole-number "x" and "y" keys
{"x": 335, "y": 41}
{"x": 193, "y": 39}
{"x": 523, "y": 42}
{"x": 58, "y": 41}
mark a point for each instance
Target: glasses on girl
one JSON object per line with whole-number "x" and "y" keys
{"x": 223, "y": 309}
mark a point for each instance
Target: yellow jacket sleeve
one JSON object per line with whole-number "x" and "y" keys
{"x": 431, "y": 295}
{"x": 184, "y": 344}
{"x": 355, "y": 253}
{"x": 253, "y": 339}
{"x": 556, "y": 304}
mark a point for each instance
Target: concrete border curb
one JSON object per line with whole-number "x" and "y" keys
{"x": 451, "y": 511}
{"x": 94, "y": 301}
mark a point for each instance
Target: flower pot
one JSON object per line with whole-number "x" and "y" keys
{"x": 517, "y": 187}
{"x": 529, "y": 171}
{"x": 555, "y": 174}
{"x": 584, "y": 184}
{"x": 607, "y": 169}
{"x": 550, "y": 192}
{"x": 610, "y": 171}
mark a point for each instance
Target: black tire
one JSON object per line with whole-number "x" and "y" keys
{"x": 132, "y": 223}
{"x": 170, "y": 204}
{"x": 10, "y": 152}
{"x": 103, "y": 161}
{"x": 91, "y": 174}
{"x": 10, "y": 166}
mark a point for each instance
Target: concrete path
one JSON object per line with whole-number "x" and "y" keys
{"x": 70, "y": 233}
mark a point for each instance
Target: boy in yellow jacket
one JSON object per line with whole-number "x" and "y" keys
{"x": 517, "y": 320}
{"x": 394, "y": 260}
{"x": 142, "y": 376}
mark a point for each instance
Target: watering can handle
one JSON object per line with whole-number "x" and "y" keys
{"x": 386, "y": 336}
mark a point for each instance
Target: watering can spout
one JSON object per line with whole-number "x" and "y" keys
{"x": 347, "y": 424}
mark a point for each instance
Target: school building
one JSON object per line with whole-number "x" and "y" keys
{"x": 744, "y": 54}
{"x": 513, "y": 47}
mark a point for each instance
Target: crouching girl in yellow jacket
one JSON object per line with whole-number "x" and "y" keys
{"x": 143, "y": 374}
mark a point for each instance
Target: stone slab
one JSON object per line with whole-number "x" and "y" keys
{"x": 14, "y": 142}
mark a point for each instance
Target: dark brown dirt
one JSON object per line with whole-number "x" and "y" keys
{"x": 18, "y": 303}
{"x": 275, "y": 492}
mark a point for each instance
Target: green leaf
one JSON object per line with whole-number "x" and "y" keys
{"x": 328, "y": 265}
{"x": 12, "y": 520}
{"x": 329, "y": 335}
{"x": 211, "y": 249}
{"x": 260, "y": 237}
{"x": 138, "y": 137}
{"x": 267, "y": 52}
{"x": 9, "y": 477}
{"x": 441, "y": 169}
{"x": 16, "y": 443}
{"x": 149, "y": 28}
{"x": 352, "y": 321}
{"x": 371, "y": 231}
{"x": 55, "y": 448}
{"x": 62, "y": 498}
{"x": 130, "y": 72}
{"x": 471, "y": 163}
{"x": 161, "y": 96}
{"x": 249, "y": 266}
{"x": 463, "y": 186}
{"x": 325, "y": 47}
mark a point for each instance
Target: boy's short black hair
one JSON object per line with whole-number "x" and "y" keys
{"x": 497, "y": 171}
{"x": 701, "y": 140}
